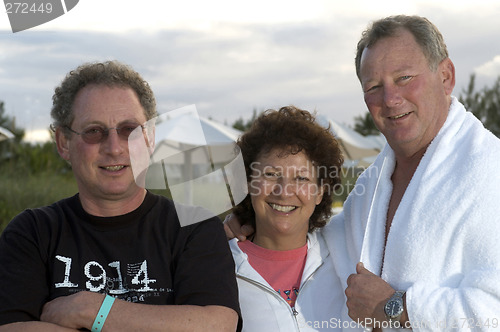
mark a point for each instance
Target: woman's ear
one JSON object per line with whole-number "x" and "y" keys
{"x": 319, "y": 197}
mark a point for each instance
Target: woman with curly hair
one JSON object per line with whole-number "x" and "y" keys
{"x": 286, "y": 279}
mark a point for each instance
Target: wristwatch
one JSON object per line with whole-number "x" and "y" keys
{"x": 394, "y": 308}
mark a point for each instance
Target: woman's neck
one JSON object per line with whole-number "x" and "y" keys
{"x": 280, "y": 243}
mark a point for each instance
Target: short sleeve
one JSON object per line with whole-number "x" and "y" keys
{"x": 205, "y": 273}
{"x": 23, "y": 272}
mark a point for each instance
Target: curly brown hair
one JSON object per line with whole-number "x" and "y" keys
{"x": 293, "y": 130}
{"x": 109, "y": 73}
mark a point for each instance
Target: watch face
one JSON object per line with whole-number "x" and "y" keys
{"x": 393, "y": 308}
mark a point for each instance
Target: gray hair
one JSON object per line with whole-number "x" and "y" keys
{"x": 109, "y": 73}
{"x": 426, "y": 35}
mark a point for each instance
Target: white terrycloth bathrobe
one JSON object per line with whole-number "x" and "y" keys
{"x": 443, "y": 247}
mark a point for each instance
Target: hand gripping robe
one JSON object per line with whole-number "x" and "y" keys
{"x": 443, "y": 247}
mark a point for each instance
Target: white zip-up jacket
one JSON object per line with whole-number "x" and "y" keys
{"x": 319, "y": 302}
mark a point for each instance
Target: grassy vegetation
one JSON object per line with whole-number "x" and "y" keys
{"x": 31, "y": 176}
{"x": 22, "y": 190}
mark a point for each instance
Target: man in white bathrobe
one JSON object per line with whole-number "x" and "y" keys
{"x": 417, "y": 243}
{"x": 424, "y": 219}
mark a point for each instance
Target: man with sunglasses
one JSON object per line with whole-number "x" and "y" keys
{"x": 113, "y": 256}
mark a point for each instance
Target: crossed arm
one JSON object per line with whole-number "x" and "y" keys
{"x": 73, "y": 312}
{"x": 200, "y": 252}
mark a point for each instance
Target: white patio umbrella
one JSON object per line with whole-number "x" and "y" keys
{"x": 198, "y": 158}
{"x": 355, "y": 147}
{"x": 187, "y": 133}
{"x": 5, "y": 134}
{"x": 379, "y": 142}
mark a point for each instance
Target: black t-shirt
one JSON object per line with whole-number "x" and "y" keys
{"x": 144, "y": 256}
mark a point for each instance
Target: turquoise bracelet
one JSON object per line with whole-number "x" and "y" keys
{"x": 103, "y": 313}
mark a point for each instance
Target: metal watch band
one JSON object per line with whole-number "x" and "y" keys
{"x": 396, "y": 297}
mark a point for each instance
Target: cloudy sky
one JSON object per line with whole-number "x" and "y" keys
{"x": 229, "y": 57}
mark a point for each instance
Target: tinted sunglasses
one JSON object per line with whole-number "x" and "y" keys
{"x": 98, "y": 134}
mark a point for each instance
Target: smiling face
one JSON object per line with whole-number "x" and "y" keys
{"x": 407, "y": 100}
{"x": 102, "y": 170}
{"x": 284, "y": 192}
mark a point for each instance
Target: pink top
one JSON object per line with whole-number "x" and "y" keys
{"x": 281, "y": 269}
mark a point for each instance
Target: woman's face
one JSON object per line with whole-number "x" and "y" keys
{"x": 284, "y": 193}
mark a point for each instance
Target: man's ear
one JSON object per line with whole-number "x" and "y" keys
{"x": 447, "y": 71}
{"x": 62, "y": 143}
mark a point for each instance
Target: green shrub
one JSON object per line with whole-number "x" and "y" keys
{"x": 31, "y": 176}
{"x": 22, "y": 190}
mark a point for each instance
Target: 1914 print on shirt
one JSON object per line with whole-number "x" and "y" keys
{"x": 134, "y": 286}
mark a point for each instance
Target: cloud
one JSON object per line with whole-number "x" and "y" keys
{"x": 37, "y": 136}
{"x": 225, "y": 74}
{"x": 229, "y": 63}
{"x": 489, "y": 69}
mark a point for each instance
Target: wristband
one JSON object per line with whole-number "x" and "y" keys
{"x": 103, "y": 313}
